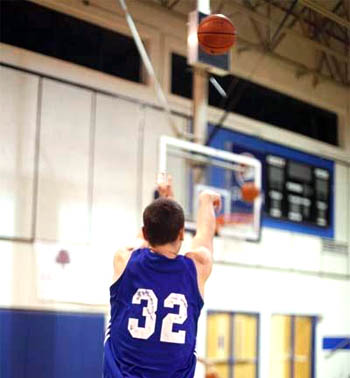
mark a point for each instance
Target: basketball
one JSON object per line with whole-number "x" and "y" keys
{"x": 249, "y": 192}
{"x": 216, "y": 34}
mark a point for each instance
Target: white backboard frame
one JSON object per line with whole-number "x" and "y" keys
{"x": 166, "y": 142}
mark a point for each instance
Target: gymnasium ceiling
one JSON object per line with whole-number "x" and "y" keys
{"x": 321, "y": 26}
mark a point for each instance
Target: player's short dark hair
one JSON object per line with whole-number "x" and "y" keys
{"x": 163, "y": 219}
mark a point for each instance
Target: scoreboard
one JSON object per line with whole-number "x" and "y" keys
{"x": 297, "y": 186}
{"x": 297, "y": 191}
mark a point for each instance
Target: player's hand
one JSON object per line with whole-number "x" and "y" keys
{"x": 165, "y": 185}
{"x": 213, "y": 197}
{"x": 211, "y": 373}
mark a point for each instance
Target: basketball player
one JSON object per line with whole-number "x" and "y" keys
{"x": 157, "y": 294}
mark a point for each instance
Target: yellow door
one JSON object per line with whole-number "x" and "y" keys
{"x": 218, "y": 342}
{"x": 244, "y": 349}
{"x": 302, "y": 348}
{"x": 280, "y": 348}
{"x": 223, "y": 370}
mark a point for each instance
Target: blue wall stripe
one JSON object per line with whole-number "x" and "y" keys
{"x": 296, "y": 227}
{"x": 332, "y": 342}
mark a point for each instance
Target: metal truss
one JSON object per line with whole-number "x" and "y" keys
{"x": 321, "y": 26}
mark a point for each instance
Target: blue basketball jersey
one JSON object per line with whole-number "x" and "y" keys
{"x": 155, "y": 306}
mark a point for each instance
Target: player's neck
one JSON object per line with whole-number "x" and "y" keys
{"x": 168, "y": 250}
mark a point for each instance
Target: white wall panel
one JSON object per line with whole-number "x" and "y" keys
{"x": 305, "y": 252}
{"x": 116, "y": 176}
{"x": 277, "y": 249}
{"x": 6, "y": 272}
{"x": 342, "y": 199}
{"x": 348, "y": 206}
{"x": 17, "y": 273}
{"x": 334, "y": 296}
{"x": 64, "y": 163}
{"x": 332, "y": 262}
{"x": 18, "y": 109}
{"x": 257, "y": 290}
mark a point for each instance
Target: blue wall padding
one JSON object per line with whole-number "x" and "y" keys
{"x": 334, "y": 342}
{"x": 43, "y": 344}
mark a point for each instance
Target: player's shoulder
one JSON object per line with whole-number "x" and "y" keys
{"x": 122, "y": 254}
{"x": 203, "y": 262}
{"x": 120, "y": 261}
{"x": 200, "y": 256}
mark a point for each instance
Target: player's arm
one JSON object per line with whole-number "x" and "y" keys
{"x": 209, "y": 202}
{"x": 210, "y": 371}
{"x": 165, "y": 186}
{"x": 202, "y": 244}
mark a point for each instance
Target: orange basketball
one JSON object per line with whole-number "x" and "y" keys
{"x": 216, "y": 34}
{"x": 249, "y": 192}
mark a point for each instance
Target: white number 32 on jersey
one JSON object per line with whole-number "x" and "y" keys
{"x": 167, "y": 334}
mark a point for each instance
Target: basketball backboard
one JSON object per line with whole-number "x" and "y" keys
{"x": 195, "y": 167}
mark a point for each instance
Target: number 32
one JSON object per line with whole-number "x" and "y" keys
{"x": 149, "y": 312}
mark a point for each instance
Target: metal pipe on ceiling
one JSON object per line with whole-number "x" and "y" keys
{"x": 265, "y": 21}
{"x": 326, "y": 13}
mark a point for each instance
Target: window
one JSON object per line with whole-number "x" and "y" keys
{"x": 232, "y": 344}
{"x": 292, "y": 351}
{"x": 275, "y": 108}
{"x": 45, "y": 31}
{"x": 261, "y": 103}
{"x": 181, "y": 76}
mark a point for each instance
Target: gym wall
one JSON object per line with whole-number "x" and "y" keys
{"x": 78, "y": 165}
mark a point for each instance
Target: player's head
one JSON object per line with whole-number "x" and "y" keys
{"x": 163, "y": 222}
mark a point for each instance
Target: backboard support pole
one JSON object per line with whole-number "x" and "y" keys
{"x": 200, "y": 90}
{"x": 200, "y": 104}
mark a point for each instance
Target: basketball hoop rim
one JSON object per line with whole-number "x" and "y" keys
{"x": 234, "y": 218}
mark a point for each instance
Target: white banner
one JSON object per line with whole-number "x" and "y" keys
{"x": 73, "y": 273}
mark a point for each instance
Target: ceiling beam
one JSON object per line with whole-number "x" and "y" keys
{"x": 291, "y": 24}
{"x": 325, "y": 22}
{"x": 301, "y": 69}
{"x": 318, "y": 35}
{"x": 325, "y": 12}
{"x": 172, "y": 5}
{"x": 284, "y": 20}
{"x": 245, "y": 45}
{"x": 220, "y": 7}
{"x": 336, "y": 64}
{"x": 346, "y": 7}
{"x": 264, "y": 20}
{"x": 256, "y": 26}
{"x": 310, "y": 22}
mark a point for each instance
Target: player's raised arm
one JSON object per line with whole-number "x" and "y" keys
{"x": 165, "y": 185}
{"x": 202, "y": 244}
{"x": 209, "y": 202}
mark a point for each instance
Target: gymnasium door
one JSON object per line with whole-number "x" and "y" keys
{"x": 232, "y": 341}
{"x": 291, "y": 350}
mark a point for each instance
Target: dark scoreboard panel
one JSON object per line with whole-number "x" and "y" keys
{"x": 297, "y": 186}
{"x": 297, "y": 192}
